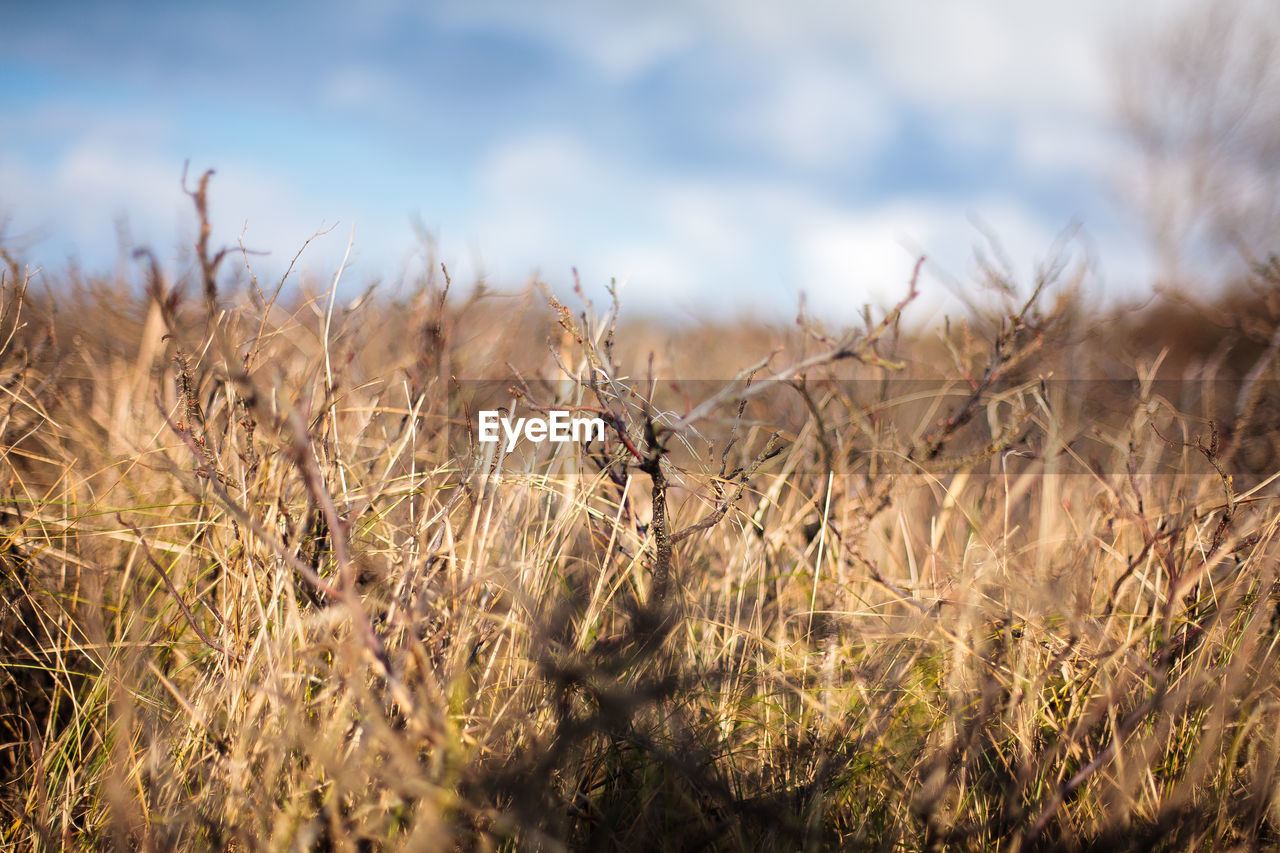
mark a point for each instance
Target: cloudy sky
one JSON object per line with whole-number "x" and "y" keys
{"x": 703, "y": 153}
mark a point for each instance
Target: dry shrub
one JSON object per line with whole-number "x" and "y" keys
{"x": 263, "y": 589}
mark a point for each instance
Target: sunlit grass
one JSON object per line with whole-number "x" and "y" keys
{"x": 260, "y": 591}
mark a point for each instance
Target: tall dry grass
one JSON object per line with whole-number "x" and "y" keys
{"x": 263, "y": 590}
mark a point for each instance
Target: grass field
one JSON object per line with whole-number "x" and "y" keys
{"x": 1010, "y": 584}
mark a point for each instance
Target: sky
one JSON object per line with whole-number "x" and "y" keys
{"x": 711, "y": 156}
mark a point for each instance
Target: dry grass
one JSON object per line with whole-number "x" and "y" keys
{"x": 261, "y": 591}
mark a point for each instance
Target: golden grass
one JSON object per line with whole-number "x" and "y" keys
{"x": 892, "y": 592}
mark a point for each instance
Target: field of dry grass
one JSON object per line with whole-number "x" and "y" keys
{"x": 1008, "y": 585}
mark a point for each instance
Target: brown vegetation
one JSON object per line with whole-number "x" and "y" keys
{"x": 869, "y": 590}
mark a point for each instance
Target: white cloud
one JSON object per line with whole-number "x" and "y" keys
{"x": 550, "y": 201}
{"x": 1054, "y": 146}
{"x": 696, "y": 240}
{"x": 619, "y": 41}
{"x": 865, "y": 257}
{"x": 995, "y": 56}
{"x": 359, "y": 87}
{"x": 849, "y": 258}
{"x": 544, "y": 162}
{"x": 835, "y": 76}
{"x": 629, "y": 48}
{"x": 76, "y": 197}
{"x": 818, "y": 116}
{"x": 824, "y": 86}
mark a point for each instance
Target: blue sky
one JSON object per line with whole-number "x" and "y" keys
{"x": 703, "y": 153}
